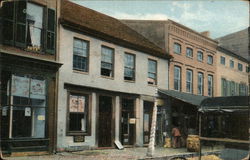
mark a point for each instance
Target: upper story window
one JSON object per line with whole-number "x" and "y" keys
{"x": 200, "y": 83}
{"x": 223, "y": 87}
{"x": 247, "y": 69}
{"x": 222, "y": 60}
{"x": 209, "y": 59}
{"x": 80, "y": 55}
{"x": 231, "y": 64}
{"x": 177, "y": 78}
{"x": 200, "y": 56}
{"x": 152, "y": 72}
{"x": 78, "y": 117}
{"x": 189, "y": 52}
{"x": 29, "y": 26}
{"x": 107, "y": 62}
{"x": 189, "y": 81}
{"x": 240, "y": 67}
{"x": 177, "y": 48}
{"x": 210, "y": 85}
{"x": 129, "y": 67}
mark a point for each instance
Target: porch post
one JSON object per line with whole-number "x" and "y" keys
{"x": 151, "y": 146}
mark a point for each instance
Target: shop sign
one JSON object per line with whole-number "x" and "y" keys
{"x": 79, "y": 138}
{"x": 27, "y": 111}
{"x": 132, "y": 120}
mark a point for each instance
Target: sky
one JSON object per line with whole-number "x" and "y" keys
{"x": 220, "y": 17}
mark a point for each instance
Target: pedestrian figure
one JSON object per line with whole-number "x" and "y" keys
{"x": 177, "y": 137}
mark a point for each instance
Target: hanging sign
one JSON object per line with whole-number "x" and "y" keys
{"x": 4, "y": 111}
{"x": 132, "y": 120}
{"x": 27, "y": 111}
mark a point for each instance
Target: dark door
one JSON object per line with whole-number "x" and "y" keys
{"x": 127, "y": 122}
{"x": 147, "y": 119}
{"x": 105, "y": 121}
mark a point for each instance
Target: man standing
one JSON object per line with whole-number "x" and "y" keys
{"x": 177, "y": 137}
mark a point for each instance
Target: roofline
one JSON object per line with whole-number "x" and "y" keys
{"x": 101, "y": 35}
{"x": 175, "y": 23}
{"x": 233, "y": 33}
{"x": 228, "y": 52}
{"x": 191, "y": 30}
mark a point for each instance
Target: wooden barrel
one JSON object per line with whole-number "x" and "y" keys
{"x": 193, "y": 143}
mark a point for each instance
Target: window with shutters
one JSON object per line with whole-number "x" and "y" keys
{"x": 78, "y": 114}
{"x": 107, "y": 61}
{"x": 152, "y": 72}
{"x": 80, "y": 55}
{"x": 129, "y": 67}
{"x": 29, "y": 26}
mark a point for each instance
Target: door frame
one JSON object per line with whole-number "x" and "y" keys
{"x": 112, "y": 119}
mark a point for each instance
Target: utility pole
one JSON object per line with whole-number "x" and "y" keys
{"x": 151, "y": 146}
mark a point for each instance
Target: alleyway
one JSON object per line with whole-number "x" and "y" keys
{"x": 110, "y": 154}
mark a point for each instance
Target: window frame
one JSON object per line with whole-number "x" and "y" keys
{"x": 231, "y": 63}
{"x": 179, "y": 47}
{"x": 87, "y": 55}
{"x": 210, "y": 57}
{"x": 179, "y": 79}
{"x": 212, "y": 85}
{"x": 202, "y": 84}
{"x": 88, "y": 120}
{"x": 223, "y": 60}
{"x": 113, "y": 62}
{"x": 240, "y": 67}
{"x": 191, "y": 52}
{"x": 189, "y": 90}
{"x": 134, "y": 66}
{"x": 155, "y": 73}
{"x": 200, "y": 53}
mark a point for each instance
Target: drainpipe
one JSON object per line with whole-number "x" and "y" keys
{"x": 151, "y": 146}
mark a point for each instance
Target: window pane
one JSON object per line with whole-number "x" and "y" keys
{"x": 177, "y": 48}
{"x": 152, "y": 66}
{"x": 78, "y": 113}
{"x": 189, "y": 52}
{"x": 177, "y": 78}
{"x": 200, "y": 56}
{"x": 107, "y": 55}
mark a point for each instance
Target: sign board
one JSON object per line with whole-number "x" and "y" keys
{"x": 27, "y": 111}
{"x": 4, "y": 111}
{"x": 79, "y": 138}
{"x": 132, "y": 120}
{"x": 118, "y": 145}
{"x": 160, "y": 102}
{"x": 41, "y": 117}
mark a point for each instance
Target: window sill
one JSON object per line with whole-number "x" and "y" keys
{"x": 129, "y": 81}
{"x": 81, "y": 72}
{"x": 152, "y": 85}
{"x": 189, "y": 57}
{"x": 111, "y": 78}
{"x": 177, "y": 53}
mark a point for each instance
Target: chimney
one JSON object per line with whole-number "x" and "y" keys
{"x": 206, "y": 33}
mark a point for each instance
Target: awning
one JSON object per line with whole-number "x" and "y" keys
{"x": 225, "y": 104}
{"x": 185, "y": 97}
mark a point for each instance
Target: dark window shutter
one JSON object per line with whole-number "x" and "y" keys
{"x": 8, "y": 23}
{"x": 50, "y": 35}
{"x": 20, "y": 29}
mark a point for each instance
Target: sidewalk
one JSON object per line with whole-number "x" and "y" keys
{"x": 108, "y": 154}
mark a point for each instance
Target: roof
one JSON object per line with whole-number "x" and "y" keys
{"x": 230, "y": 53}
{"x": 185, "y": 97}
{"x": 225, "y": 104}
{"x": 105, "y": 27}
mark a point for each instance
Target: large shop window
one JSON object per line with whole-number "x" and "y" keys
{"x": 107, "y": 63}
{"x": 152, "y": 72}
{"x": 78, "y": 114}
{"x": 80, "y": 55}
{"x": 29, "y": 26}
{"x": 24, "y": 109}
{"x": 129, "y": 67}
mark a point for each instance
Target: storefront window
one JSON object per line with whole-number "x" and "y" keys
{"x": 26, "y": 110}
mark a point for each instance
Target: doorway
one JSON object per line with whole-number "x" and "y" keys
{"x": 127, "y": 122}
{"x": 105, "y": 122}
